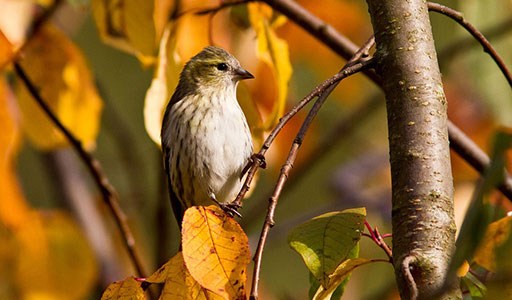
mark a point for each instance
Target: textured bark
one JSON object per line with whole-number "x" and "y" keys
{"x": 422, "y": 186}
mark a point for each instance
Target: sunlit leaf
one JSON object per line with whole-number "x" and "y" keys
{"x": 130, "y": 25}
{"x": 480, "y": 212}
{"x": 58, "y": 69}
{"x": 339, "y": 275}
{"x": 215, "y": 251}
{"x": 54, "y": 258}
{"x": 324, "y": 242}
{"x": 463, "y": 269}
{"x": 128, "y": 289}
{"x": 496, "y": 234}
{"x": 274, "y": 52}
{"x": 165, "y": 80}
{"x": 179, "y": 284}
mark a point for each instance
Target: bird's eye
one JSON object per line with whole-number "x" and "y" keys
{"x": 222, "y": 67}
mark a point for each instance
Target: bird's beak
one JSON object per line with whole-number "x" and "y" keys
{"x": 243, "y": 74}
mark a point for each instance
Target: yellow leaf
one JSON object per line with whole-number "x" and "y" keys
{"x": 274, "y": 52}
{"x": 56, "y": 66}
{"x": 215, "y": 251}
{"x": 496, "y": 234}
{"x": 128, "y": 289}
{"x": 179, "y": 284}
{"x": 130, "y": 25}
{"x": 165, "y": 80}
{"x": 463, "y": 269}
{"x": 54, "y": 258}
{"x": 335, "y": 279}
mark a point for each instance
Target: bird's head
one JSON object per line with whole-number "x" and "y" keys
{"x": 214, "y": 67}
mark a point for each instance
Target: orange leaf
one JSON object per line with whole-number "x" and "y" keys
{"x": 274, "y": 52}
{"x": 59, "y": 70}
{"x": 128, "y": 289}
{"x": 179, "y": 284}
{"x": 6, "y": 50}
{"x": 215, "y": 251}
{"x": 496, "y": 234}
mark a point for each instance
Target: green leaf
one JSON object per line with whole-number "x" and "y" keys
{"x": 476, "y": 287}
{"x": 338, "y": 292}
{"x": 325, "y": 242}
{"x": 480, "y": 212}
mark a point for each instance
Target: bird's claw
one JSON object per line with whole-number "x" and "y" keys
{"x": 254, "y": 157}
{"x": 231, "y": 209}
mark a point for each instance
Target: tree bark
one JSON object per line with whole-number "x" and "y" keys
{"x": 422, "y": 185}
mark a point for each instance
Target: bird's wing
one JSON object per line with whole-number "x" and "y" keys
{"x": 177, "y": 207}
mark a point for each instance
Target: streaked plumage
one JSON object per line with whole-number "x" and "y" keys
{"x": 206, "y": 140}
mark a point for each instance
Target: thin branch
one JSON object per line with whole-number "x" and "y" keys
{"x": 474, "y": 156}
{"x": 107, "y": 191}
{"x": 223, "y": 5}
{"x": 459, "y": 18}
{"x": 328, "y": 36}
{"x": 337, "y": 133}
{"x": 350, "y": 68}
{"x": 461, "y": 44}
{"x": 257, "y": 161}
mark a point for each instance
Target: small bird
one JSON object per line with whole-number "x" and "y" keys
{"x": 206, "y": 141}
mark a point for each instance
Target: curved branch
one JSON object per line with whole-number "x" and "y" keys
{"x": 350, "y": 68}
{"x": 107, "y": 191}
{"x": 459, "y": 18}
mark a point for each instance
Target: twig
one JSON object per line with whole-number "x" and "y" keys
{"x": 352, "y": 67}
{"x": 383, "y": 245}
{"x": 223, "y": 5}
{"x": 406, "y": 264}
{"x": 327, "y": 35}
{"x": 464, "y": 43}
{"x": 107, "y": 191}
{"x": 337, "y": 133}
{"x": 284, "y": 119}
{"x": 459, "y": 18}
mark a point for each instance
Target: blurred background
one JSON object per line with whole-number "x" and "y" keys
{"x": 57, "y": 237}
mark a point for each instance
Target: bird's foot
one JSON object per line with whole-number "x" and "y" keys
{"x": 255, "y": 157}
{"x": 230, "y": 208}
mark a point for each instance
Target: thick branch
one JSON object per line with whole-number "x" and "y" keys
{"x": 94, "y": 167}
{"x": 422, "y": 185}
{"x": 345, "y": 48}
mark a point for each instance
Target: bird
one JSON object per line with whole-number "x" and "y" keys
{"x": 206, "y": 140}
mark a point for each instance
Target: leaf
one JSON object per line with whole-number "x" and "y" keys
{"x": 54, "y": 258}
{"x": 476, "y": 287}
{"x": 59, "y": 70}
{"x": 6, "y": 51}
{"x": 130, "y": 25}
{"x": 274, "y": 52}
{"x": 215, "y": 251}
{"x": 128, "y": 289}
{"x": 339, "y": 275}
{"x": 497, "y": 233}
{"x": 324, "y": 242}
{"x": 338, "y": 292}
{"x": 165, "y": 80}
{"x": 179, "y": 284}
{"x": 480, "y": 212}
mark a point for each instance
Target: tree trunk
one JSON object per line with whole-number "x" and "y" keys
{"x": 422, "y": 186}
